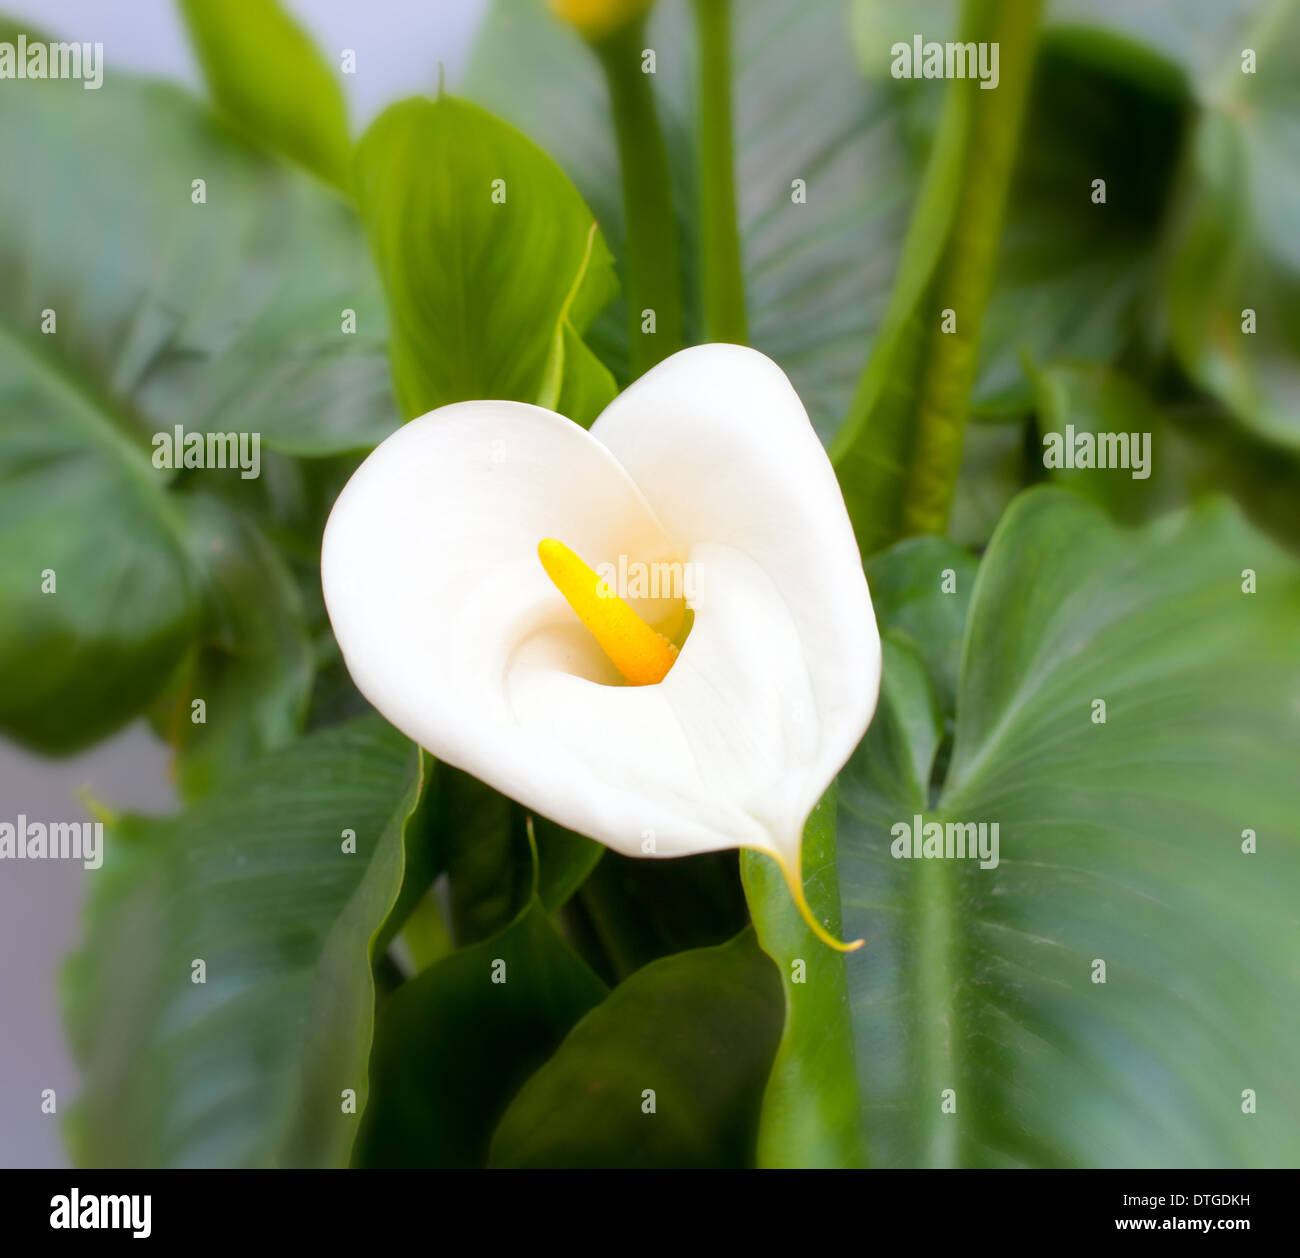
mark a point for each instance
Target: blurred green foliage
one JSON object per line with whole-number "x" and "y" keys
{"x": 231, "y": 306}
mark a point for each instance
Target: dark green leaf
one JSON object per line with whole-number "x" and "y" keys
{"x": 220, "y": 316}
{"x": 489, "y": 859}
{"x": 920, "y": 590}
{"x": 698, "y": 1030}
{"x": 639, "y": 909}
{"x": 252, "y": 665}
{"x": 99, "y": 601}
{"x": 1193, "y": 451}
{"x": 565, "y": 860}
{"x": 455, "y": 1044}
{"x": 249, "y": 1067}
{"x": 1120, "y": 842}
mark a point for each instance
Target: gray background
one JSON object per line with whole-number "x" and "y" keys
{"x": 399, "y": 44}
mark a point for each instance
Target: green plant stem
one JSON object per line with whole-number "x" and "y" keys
{"x": 811, "y": 1111}
{"x": 933, "y": 911}
{"x": 722, "y": 277}
{"x": 899, "y": 451}
{"x": 967, "y": 274}
{"x": 652, "y": 255}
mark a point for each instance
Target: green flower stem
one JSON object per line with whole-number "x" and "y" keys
{"x": 722, "y": 277}
{"x": 810, "y": 1112}
{"x": 992, "y": 140}
{"x": 899, "y": 451}
{"x": 653, "y": 260}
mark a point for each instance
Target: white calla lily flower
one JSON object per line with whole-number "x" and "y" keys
{"x": 474, "y": 569}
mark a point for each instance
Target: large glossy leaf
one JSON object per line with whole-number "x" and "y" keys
{"x": 267, "y": 77}
{"x": 249, "y": 1067}
{"x": 492, "y": 264}
{"x": 698, "y": 1030}
{"x": 99, "y": 598}
{"x": 224, "y": 315}
{"x": 221, "y": 316}
{"x": 454, "y": 1044}
{"x": 1119, "y": 842}
{"x": 810, "y": 1104}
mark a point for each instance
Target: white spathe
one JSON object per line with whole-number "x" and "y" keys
{"x": 451, "y": 628}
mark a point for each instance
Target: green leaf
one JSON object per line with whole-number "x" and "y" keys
{"x": 1189, "y": 38}
{"x": 268, "y": 78}
{"x": 1236, "y": 255}
{"x": 899, "y": 452}
{"x": 489, "y": 858}
{"x": 1074, "y": 277}
{"x": 697, "y": 1029}
{"x": 247, "y": 1068}
{"x": 492, "y": 264}
{"x": 920, "y": 591}
{"x": 996, "y": 464}
{"x": 98, "y": 596}
{"x": 565, "y": 860}
{"x": 1193, "y": 451}
{"x": 1077, "y": 403}
{"x": 217, "y": 316}
{"x": 220, "y": 316}
{"x": 638, "y": 910}
{"x": 1120, "y": 842}
{"x": 456, "y": 1043}
{"x": 252, "y": 666}
{"x": 810, "y": 1105}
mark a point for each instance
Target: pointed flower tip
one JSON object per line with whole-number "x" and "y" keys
{"x": 795, "y": 883}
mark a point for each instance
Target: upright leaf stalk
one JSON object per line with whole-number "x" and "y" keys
{"x": 722, "y": 277}
{"x": 654, "y": 289}
{"x": 899, "y": 474}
